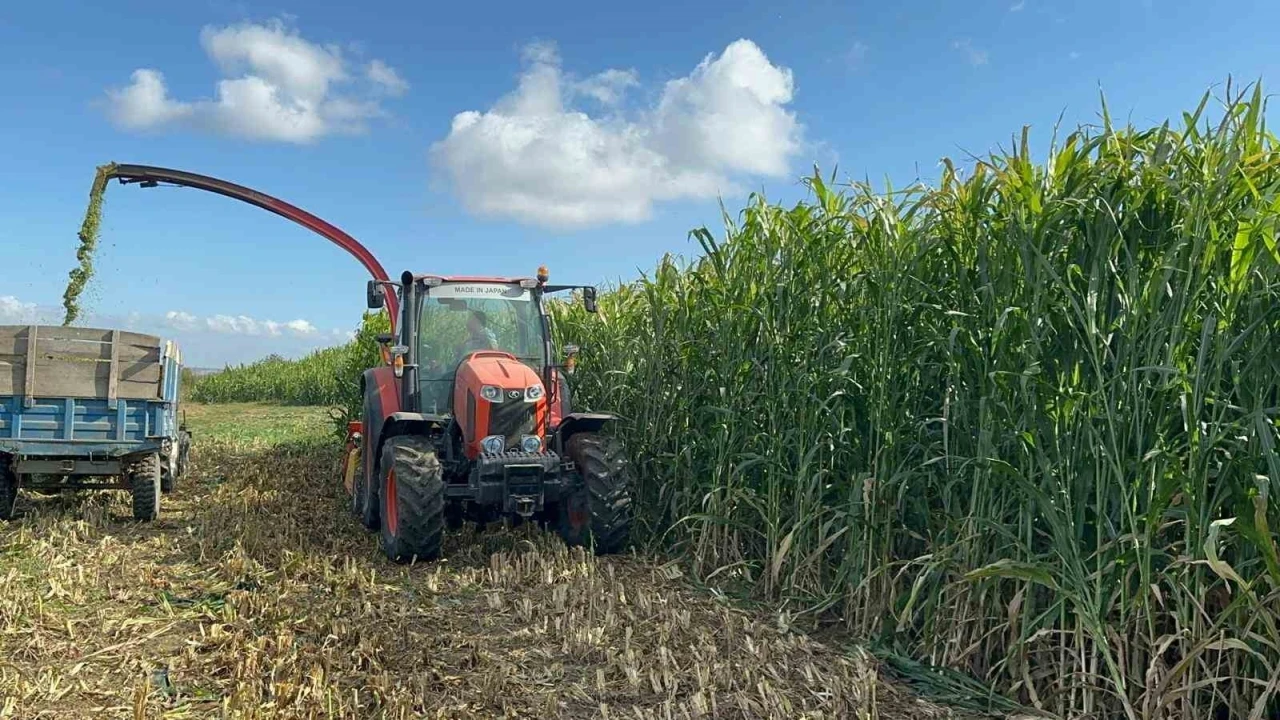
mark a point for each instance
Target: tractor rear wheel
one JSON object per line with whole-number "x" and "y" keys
{"x": 599, "y": 510}
{"x": 144, "y": 479}
{"x": 8, "y": 490}
{"x": 411, "y": 499}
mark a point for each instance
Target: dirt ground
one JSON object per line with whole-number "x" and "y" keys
{"x": 258, "y": 595}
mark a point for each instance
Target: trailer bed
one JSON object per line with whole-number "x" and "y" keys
{"x": 70, "y": 391}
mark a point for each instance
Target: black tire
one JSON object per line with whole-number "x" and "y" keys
{"x": 411, "y": 499}
{"x": 8, "y": 490}
{"x": 184, "y": 452}
{"x": 364, "y": 500}
{"x": 364, "y": 496}
{"x": 144, "y": 479}
{"x": 598, "y": 510}
{"x": 174, "y": 465}
{"x": 168, "y": 465}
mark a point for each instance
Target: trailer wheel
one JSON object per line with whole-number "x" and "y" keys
{"x": 184, "y": 452}
{"x": 144, "y": 478}
{"x": 174, "y": 466}
{"x": 168, "y": 471}
{"x": 599, "y": 510}
{"x": 8, "y": 490}
{"x": 411, "y": 499}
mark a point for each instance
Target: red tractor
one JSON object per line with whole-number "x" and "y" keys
{"x": 470, "y": 420}
{"x": 469, "y": 417}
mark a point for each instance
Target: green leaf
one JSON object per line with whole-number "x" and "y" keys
{"x": 1014, "y": 570}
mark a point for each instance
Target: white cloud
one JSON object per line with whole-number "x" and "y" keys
{"x": 301, "y": 327}
{"x": 386, "y": 77}
{"x": 14, "y": 311}
{"x": 534, "y": 157}
{"x": 180, "y": 320}
{"x": 277, "y": 86}
{"x": 973, "y": 55}
{"x": 239, "y": 325}
{"x": 609, "y": 86}
{"x": 145, "y": 103}
{"x": 1016, "y": 7}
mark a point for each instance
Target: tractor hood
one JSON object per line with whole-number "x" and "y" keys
{"x": 497, "y": 395}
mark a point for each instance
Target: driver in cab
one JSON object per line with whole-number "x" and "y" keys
{"x": 479, "y": 337}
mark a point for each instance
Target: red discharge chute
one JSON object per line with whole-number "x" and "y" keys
{"x": 150, "y": 176}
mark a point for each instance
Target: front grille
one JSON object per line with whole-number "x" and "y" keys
{"x": 512, "y": 420}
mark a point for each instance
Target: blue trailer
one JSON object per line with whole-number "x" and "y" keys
{"x": 89, "y": 408}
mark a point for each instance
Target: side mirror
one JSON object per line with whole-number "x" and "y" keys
{"x": 589, "y": 299}
{"x": 374, "y": 297}
{"x": 384, "y": 338}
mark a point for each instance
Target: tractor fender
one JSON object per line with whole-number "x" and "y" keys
{"x": 411, "y": 423}
{"x": 381, "y": 402}
{"x": 580, "y": 422}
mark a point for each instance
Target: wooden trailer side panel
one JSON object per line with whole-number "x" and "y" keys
{"x": 59, "y": 362}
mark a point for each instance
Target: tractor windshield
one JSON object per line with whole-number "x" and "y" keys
{"x": 459, "y": 318}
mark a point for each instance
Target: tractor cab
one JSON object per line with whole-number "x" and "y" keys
{"x": 491, "y": 333}
{"x": 472, "y": 394}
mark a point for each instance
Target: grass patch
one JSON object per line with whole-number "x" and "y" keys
{"x": 256, "y": 423}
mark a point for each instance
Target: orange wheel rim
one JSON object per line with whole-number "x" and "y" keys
{"x": 390, "y": 493}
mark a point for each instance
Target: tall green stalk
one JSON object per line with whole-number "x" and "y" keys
{"x": 1022, "y": 424}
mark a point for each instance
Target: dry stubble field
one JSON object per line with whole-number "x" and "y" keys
{"x": 256, "y": 595}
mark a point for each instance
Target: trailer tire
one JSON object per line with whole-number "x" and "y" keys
{"x": 8, "y": 490}
{"x": 184, "y": 452}
{"x": 598, "y": 511}
{"x": 144, "y": 479}
{"x": 174, "y": 465}
{"x": 168, "y": 471}
{"x": 411, "y": 500}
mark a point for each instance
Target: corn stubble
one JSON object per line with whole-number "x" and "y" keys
{"x": 256, "y": 596}
{"x": 1021, "y": 425}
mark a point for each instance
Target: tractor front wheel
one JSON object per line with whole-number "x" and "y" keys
{"x": 411, "y": 499}
{"x": 144, "y": 479}
{"x": 598, "y": 511}
{"x": 364, "y": 503}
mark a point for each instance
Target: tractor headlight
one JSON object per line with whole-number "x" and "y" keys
{"x": 531, "y": 443}
{"x": 493, "y": 444}
{"x": 534, "y": 392}
{"x": 492, "y": 393}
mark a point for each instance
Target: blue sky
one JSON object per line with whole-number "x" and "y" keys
{"x": 490, "y": 138}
